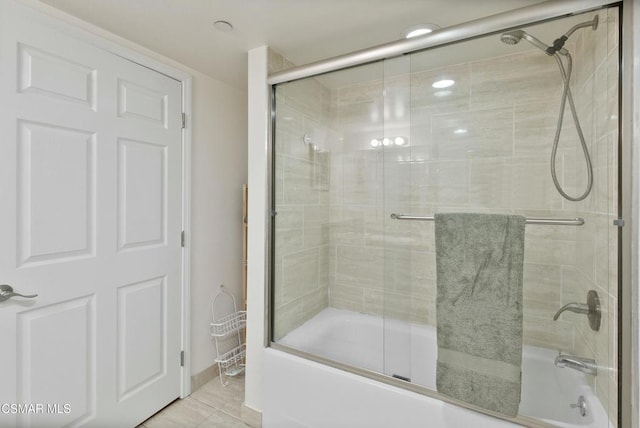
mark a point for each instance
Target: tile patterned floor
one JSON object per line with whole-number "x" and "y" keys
{"x": 212, "y": 406}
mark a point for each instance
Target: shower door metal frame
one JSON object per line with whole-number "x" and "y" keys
{"x": 627, "y": 348}
{"x": 628, "y": 251}
{"x": 534, "y": 14}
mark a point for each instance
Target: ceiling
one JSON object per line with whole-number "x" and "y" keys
{"x": 301, "y": 30}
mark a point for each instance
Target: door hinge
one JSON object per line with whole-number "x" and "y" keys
{"x": 181, "y": 358}
{"x": 618, "y": 222}
{"x": 184, "y": 120}
{"x": 182, "y": 239}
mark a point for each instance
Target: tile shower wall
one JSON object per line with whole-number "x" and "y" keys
{"x": 301, "y": 263}
{"x": 484, "y": 147}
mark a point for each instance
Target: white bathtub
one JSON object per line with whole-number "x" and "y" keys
{"x": 302, "y": 393}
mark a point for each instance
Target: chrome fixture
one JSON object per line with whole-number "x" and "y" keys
{"x": 514, "y": 37}
{"x": 6, "y": 292}
{"x": 591, "y": 309}
{"x": 584, "y": 365}
{"x": 555, "y": 50}
{"x": 581, "y": 405}
{"x": 307, "y": 140}
{"x": 559, "y": 42}
{"x": 530, "y": 220}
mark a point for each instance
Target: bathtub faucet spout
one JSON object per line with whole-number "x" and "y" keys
{"x": 582, "y": 364}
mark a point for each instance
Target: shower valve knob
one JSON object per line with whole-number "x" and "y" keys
{"x": 581, "y": 405}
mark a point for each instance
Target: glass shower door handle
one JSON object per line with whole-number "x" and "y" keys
{"x": 6, "y": 292}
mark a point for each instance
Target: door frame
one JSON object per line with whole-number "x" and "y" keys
{"x": 107, "y": 41}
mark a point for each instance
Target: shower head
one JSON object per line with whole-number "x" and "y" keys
{"x": 514, "y": 37}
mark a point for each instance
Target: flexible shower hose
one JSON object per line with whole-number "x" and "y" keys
{"x": 566, "y": 94}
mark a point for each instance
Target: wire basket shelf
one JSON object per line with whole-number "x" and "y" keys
{"x": 234, "y": 357}
{"x": 225, "y": 331}
{"x": 229, "y": 324}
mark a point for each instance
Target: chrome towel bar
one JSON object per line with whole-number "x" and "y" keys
{"x": 530, "y": 220}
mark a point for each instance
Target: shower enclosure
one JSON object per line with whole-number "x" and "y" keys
{"x": 363, "y": 157}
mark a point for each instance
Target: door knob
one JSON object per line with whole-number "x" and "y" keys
{"x": 6, "y": 292}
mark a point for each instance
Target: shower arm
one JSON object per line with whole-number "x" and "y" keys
{"x": 559, "y": 42}
{"x": 593, "y": 23}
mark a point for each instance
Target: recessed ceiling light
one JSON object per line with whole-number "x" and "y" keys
{"x": 419, "y": 30}
{"x": 444, "y": 83}
{"x": 460, "y": 131}
{"x": 223, "y": 26}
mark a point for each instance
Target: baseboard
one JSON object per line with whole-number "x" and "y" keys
{"x": 251, "y": 416}
{"x": 205, "y": 376}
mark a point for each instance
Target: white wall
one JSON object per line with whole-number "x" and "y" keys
{"x": 218, "y": 124}
{"x": 219, "y": 169}
{"x": 256, "y": 273}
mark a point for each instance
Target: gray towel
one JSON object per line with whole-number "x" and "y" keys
{"x": 479, "y": 261}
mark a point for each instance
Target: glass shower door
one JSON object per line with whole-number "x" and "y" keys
{"x": 328, "y": 254}
{"x": 483, "y": 116}
{"x": 466, "y": 127}
{"x": 395, "y": 146}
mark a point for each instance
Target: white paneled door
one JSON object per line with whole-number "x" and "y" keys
{"x": 90, "y": 221}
